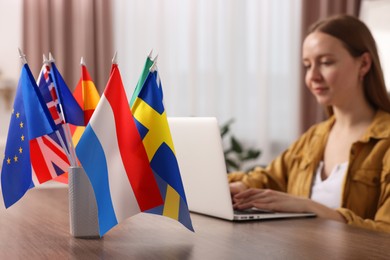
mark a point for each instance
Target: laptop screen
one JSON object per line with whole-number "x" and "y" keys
{"x": 199, "y": 151}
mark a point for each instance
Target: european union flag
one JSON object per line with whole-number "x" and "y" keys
{"x": 30, "y": 119}
{"x": 152, "y": 123}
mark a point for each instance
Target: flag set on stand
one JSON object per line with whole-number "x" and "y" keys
{"x": 36, "y": 151}
{"x": 126, "y": 148}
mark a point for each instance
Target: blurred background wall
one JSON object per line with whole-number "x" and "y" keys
{"x": 229, "y": 59}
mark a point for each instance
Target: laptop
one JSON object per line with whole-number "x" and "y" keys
{"x": 199, "y": 151}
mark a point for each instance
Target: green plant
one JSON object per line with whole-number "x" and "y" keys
{"x": 236, "y": 154}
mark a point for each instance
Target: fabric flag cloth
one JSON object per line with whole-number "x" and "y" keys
{"x": 30, "y": 119}
{"x": 48, "y": 156}
{"x": 72, "y": 112}
{"x": 152, "y": 124}
{"x": 49, "y": 94}
{"x": 114, "y": 159}
{"x": 141, "y": 81}
{"x": 87, "y": 97}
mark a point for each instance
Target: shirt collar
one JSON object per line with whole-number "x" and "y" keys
{"x": 379, "y": 128}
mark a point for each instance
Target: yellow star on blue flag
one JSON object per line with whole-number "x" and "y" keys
{"x": 30, "y": 119}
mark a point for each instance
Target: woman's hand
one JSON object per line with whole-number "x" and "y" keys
{"x": 269, "y": 200}
{"x": 237, "y": 187}
{"x": 280, "y": 201}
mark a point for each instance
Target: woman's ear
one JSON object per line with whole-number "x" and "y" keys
{"x": 365, "y": 64}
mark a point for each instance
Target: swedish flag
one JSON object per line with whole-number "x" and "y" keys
{"x": 151, "y": 120}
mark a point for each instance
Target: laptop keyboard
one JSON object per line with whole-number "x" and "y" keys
{"x": 252, "y": 211}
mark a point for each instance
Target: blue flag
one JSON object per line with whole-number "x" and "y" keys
{"x": 152, "y": 123}
{"x": 30, "y": 119}
{"x": 72, "y": 112}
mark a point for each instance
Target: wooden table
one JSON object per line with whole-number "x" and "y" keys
{"x": 37, "y": 227}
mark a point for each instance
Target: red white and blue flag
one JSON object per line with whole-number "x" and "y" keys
{"x": 49, "y": 159}
{"x": 114, "y": 158}
{"x": 49, "y": 94}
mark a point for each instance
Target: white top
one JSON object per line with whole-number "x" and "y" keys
{"x": 328, "y": 191}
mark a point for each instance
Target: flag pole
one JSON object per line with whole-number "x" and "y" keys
{"x": 150, "y": 54}
{"x": 44, "y": 61}
{"x": 68, "y": 154}
{"x": 155, "y": 58}
{"x": 66, "y": 126}
{"x": 22, "y": 56}
{"x": 153, "y": 68}
{"x": 115, "y": 58}
{"x": 82, "y": 61}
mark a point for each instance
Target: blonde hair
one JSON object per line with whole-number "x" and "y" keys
{"x": 357, "y": 40}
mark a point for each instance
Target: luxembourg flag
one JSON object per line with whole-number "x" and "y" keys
{"x": 114, "y": 159}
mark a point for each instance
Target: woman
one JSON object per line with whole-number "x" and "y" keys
{"x": 340, "y": 168}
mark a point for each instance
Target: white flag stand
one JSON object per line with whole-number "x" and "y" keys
{"x": 82, "y": 205}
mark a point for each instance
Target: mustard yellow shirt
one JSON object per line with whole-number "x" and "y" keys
{"x": 366, "y": 189}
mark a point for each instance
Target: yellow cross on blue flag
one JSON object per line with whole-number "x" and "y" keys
{"x": 152, "y": 124}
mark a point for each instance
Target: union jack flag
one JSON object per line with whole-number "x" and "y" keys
{"x": 48, "y": 159}
{"x": 48, "y": 156}
{"x": 48, "y": 91}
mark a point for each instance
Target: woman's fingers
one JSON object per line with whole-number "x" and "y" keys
{"x": 237, "y": 187}
{"x": 267, "y": 199}
{"x": 246, "y": 199}
{"x": 248, "y": 193}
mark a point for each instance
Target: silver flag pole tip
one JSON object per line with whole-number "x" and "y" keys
{"x": 22, "y": 56}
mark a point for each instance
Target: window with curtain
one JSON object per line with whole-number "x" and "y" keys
{"x": 375, "y": 15}
{"x": 229, "y": 59}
